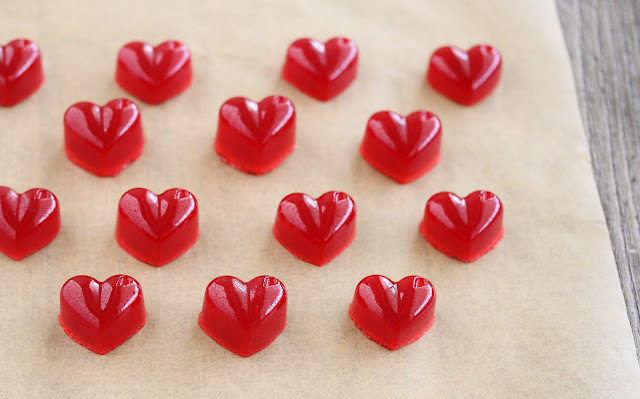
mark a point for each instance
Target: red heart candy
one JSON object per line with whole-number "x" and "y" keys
{"x": 393, "y": 314}
{"x": 316, "y": 230}
{"x": 28, "y": 222}
{"x": 154, "y": 74}
{"x": 156, "y": 229}
{"x": 103, "y": 140}
{"x": 244, "y": 317}
{"x": 465, "y": 77}
{"x": 402, "y": 148}
{"x": 321, "y": 70}
{"x": 256, "y": 137}
{"x": 20, "y": 71}
{"x": 101, "y": 315}
{"x": 463, "y": 228}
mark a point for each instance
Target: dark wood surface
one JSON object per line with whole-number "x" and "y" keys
{"x": 603, "y": 38}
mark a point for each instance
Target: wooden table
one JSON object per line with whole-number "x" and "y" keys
{"x": 603, "y": 38}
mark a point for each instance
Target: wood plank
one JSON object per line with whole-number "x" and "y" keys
{"x": 604, "y": 46}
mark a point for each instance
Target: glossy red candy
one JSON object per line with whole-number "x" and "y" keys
{"x": 154, "y": 74}
{"x": 463, "y": 228}
{"x": 256, "y": 137}
{"x": 156, "y": 229}
{"x": 321, "y": 70}
{"x": 244, "y": 317}
{"x": 20, "y": 71}
{"x": 465, "y": 76}
{"x": 393, "y": 314}
{"x": 316, "y": 230}
{"x": 101, "y": 315}
{"x": 402, "y": 148}
{"x": 103, "y": 140}
{"x": 28, "y": 222}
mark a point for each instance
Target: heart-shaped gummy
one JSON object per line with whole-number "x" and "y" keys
{"x": 256, "y": 137}
{"x": 28, "y": 222}
{"x": 463, "y": 228}
{"x": 103, "y": 140}
{"x": 101, "y": 315}
{"x": 465, "y": 76}
{"x": 316, "y": 230}
{"x": 244, "y": 317}
{"x": 321, "y": 70}
{"x": 393, "y": 314}
{"x": 20, "y": 71}
{"x": 402, "y": 148}
{"x": 156, "y": 229}
{"x": 154, "y": 74}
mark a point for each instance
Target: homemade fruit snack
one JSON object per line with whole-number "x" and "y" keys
{"x": 463, "y": 228}
{"x": 103, "y": 140}
{"x": 101, "y": 315}
{"x": 393, "y": 314}
{"x": 244, "y": 317}
{"x": 156, "y": 229}
{"x": 28, "y": 222}
{"x": 465, "y": 76}
{"x": 20, "y": 71}
{"x": 402, "y": 148}
{"x": 316, "y": 230}
{"x": 256, "y": 137}
{"x": 154, "y": 74}
{"x": 321, "y": 70}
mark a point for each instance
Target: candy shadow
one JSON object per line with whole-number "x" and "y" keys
{"x": 57, "y": 342}
{"x": 421, "y": 247}
{"x": 366, "y": 177}
{"x": 61, "y": 168}
{"x": 281, "y": 263}
{"x": 354, "y": 338}
{"x": 207, "y": 346}
{"x": 433, "y": 257}
{"x": 433, "y": 101}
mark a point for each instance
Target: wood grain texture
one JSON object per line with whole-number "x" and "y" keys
{"x": 604, "y": 46}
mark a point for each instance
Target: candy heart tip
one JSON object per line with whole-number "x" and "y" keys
{"x": 248, "y": 170}
{"x": 391, "y": 348}
{"x": 13, "y": 103}
{"x": 467, "y": 259}
{"x": 406, "y": 179}
{"x": 98, "y": 172}
{"x": 144, "y": 259}
{"x": 16, "y": 257}
{"x": 220, "y": 342}
{"x": 92, "y": 348}
{"x": 305, "y": 258}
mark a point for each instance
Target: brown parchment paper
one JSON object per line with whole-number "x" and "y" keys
{"x": 541, "y": 316}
